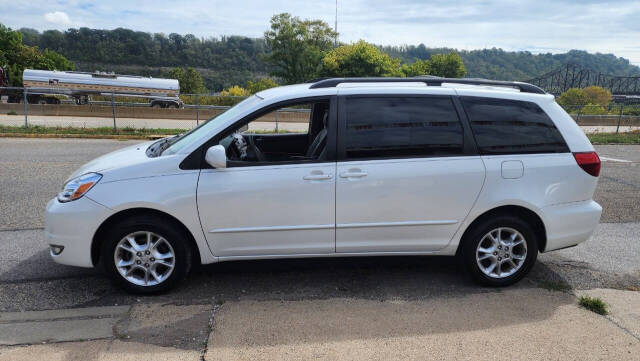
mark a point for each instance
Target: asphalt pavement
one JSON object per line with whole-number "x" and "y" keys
{"x": 32, "y": 171}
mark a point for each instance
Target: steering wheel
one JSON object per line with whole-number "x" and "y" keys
{"x": 256, "y": 151}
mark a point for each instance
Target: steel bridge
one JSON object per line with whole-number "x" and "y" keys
{"x": 574, "y": 76}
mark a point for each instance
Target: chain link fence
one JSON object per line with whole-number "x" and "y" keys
{"x": 612, "y": 118}
{"x": 121, "y": 113}
{"x": 117, "y": 113}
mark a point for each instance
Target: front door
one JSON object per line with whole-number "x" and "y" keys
{"x": 278, "y": 200}
{"x": 269, "y": 210}
{"x": 406, "y": 180}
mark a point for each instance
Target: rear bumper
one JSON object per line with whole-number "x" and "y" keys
{"x": 72, "y": 226}
{"x": 571, "y": 223}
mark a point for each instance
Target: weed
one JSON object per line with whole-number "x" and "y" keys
{"x": 593, "y": 304}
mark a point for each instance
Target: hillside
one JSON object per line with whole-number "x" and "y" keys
{"x": 236, "y": 59}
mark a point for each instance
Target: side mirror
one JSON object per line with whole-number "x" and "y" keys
{"x": 216, "y": 156}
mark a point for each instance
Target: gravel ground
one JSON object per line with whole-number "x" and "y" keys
{"x": 32, "y": 171}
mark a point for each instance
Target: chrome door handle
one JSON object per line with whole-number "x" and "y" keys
{"x": 317, "y": 177}
{"x": 353, "y": 174}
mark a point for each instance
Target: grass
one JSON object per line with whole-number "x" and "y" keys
{"x": 36, "y": 129}
{"x": 613, "y": 138}
{"x": 555, "y": 286}
{"x": 593, "y": 304}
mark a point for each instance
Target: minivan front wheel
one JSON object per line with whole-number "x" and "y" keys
{"x": 500, "y": 251}
{"x": 146, "y": 255}
{"x": 144, "y": 258}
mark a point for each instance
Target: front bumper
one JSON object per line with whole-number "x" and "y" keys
{"x": 571, "y": 223}
{"x": 72, "y": 226}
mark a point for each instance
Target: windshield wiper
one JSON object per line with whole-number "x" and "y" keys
{"x": 158, "y": 147}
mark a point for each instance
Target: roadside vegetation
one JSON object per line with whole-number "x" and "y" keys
{"x": 108, "y": 131}
{"x": 615, "y": 138}
{"x": 594, "y": 305}
{"x": 36, "y": 129}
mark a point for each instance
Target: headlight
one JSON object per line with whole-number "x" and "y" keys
{"x": 78, "y": 186}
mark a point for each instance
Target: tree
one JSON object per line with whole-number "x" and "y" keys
{"x": 597, "y": 95}
{"x": 297, "y": 47}
{"x": 190, "y": 80}
{"x": 57, "y": 61}
{"x": 260, "y": 85}
{"x": 419, "y": 67}
{"x": 447, "y": 65}
{"x": 18, "y": 57}
{"x": 358, "y": 60}
{"x": 573, "y": 99}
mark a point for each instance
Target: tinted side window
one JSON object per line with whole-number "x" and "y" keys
{"x": 387, "y": 127}
{"x": 504, "y": 126}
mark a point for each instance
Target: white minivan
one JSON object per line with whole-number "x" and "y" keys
{"x": 492, "y": 172}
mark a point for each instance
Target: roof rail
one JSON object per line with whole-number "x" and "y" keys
{"x": 430, "y": 81}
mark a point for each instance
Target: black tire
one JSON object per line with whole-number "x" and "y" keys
{"x": 168, "y": 230}
{"x": 474, "y": 236}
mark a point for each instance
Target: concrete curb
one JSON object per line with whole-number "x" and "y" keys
{"x": 25, "y": 328}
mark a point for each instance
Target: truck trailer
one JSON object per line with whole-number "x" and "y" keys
{"x": 42, "y": 84}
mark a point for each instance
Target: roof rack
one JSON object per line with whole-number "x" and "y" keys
{"x": 430, "y": 81}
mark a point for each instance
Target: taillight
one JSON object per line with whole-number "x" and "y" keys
{"x": 589, "y": 162}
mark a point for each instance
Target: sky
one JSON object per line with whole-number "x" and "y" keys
{"x": 554, "y": 26}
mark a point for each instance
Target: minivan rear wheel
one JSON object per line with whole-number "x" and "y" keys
{"x": 500, "y": 251}
{"x": 146, "y": 255}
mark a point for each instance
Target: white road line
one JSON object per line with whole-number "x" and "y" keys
{"x": 607, "y": 159}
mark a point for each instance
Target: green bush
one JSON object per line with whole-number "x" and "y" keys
{"x": 211, "y": 100}
{"x": 12, "y": 112}
{"x": 593, "y": 109}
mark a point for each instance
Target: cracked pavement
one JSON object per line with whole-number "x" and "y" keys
{"x": 34, "y": 169}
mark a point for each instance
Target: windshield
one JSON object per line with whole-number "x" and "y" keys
{"x": 198, "y": 132}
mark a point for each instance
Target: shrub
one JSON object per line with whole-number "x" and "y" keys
{"x": 593, "y": 109}
{"x": 573, "y": 99}
{"x": 597, "y": 95}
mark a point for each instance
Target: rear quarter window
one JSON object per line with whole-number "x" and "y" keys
{"x": 504, "y": 126}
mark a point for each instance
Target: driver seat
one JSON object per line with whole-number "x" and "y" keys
{"x": 317, "y": 146}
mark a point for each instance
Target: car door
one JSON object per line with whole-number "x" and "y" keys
{"x": 281, "y": 208}
{"x": 407, "y": 173}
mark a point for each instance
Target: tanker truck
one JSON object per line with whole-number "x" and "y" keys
{"x": 41, "y": 85}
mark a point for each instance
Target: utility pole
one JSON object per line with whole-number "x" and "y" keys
{"x": 335, "y": 27}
